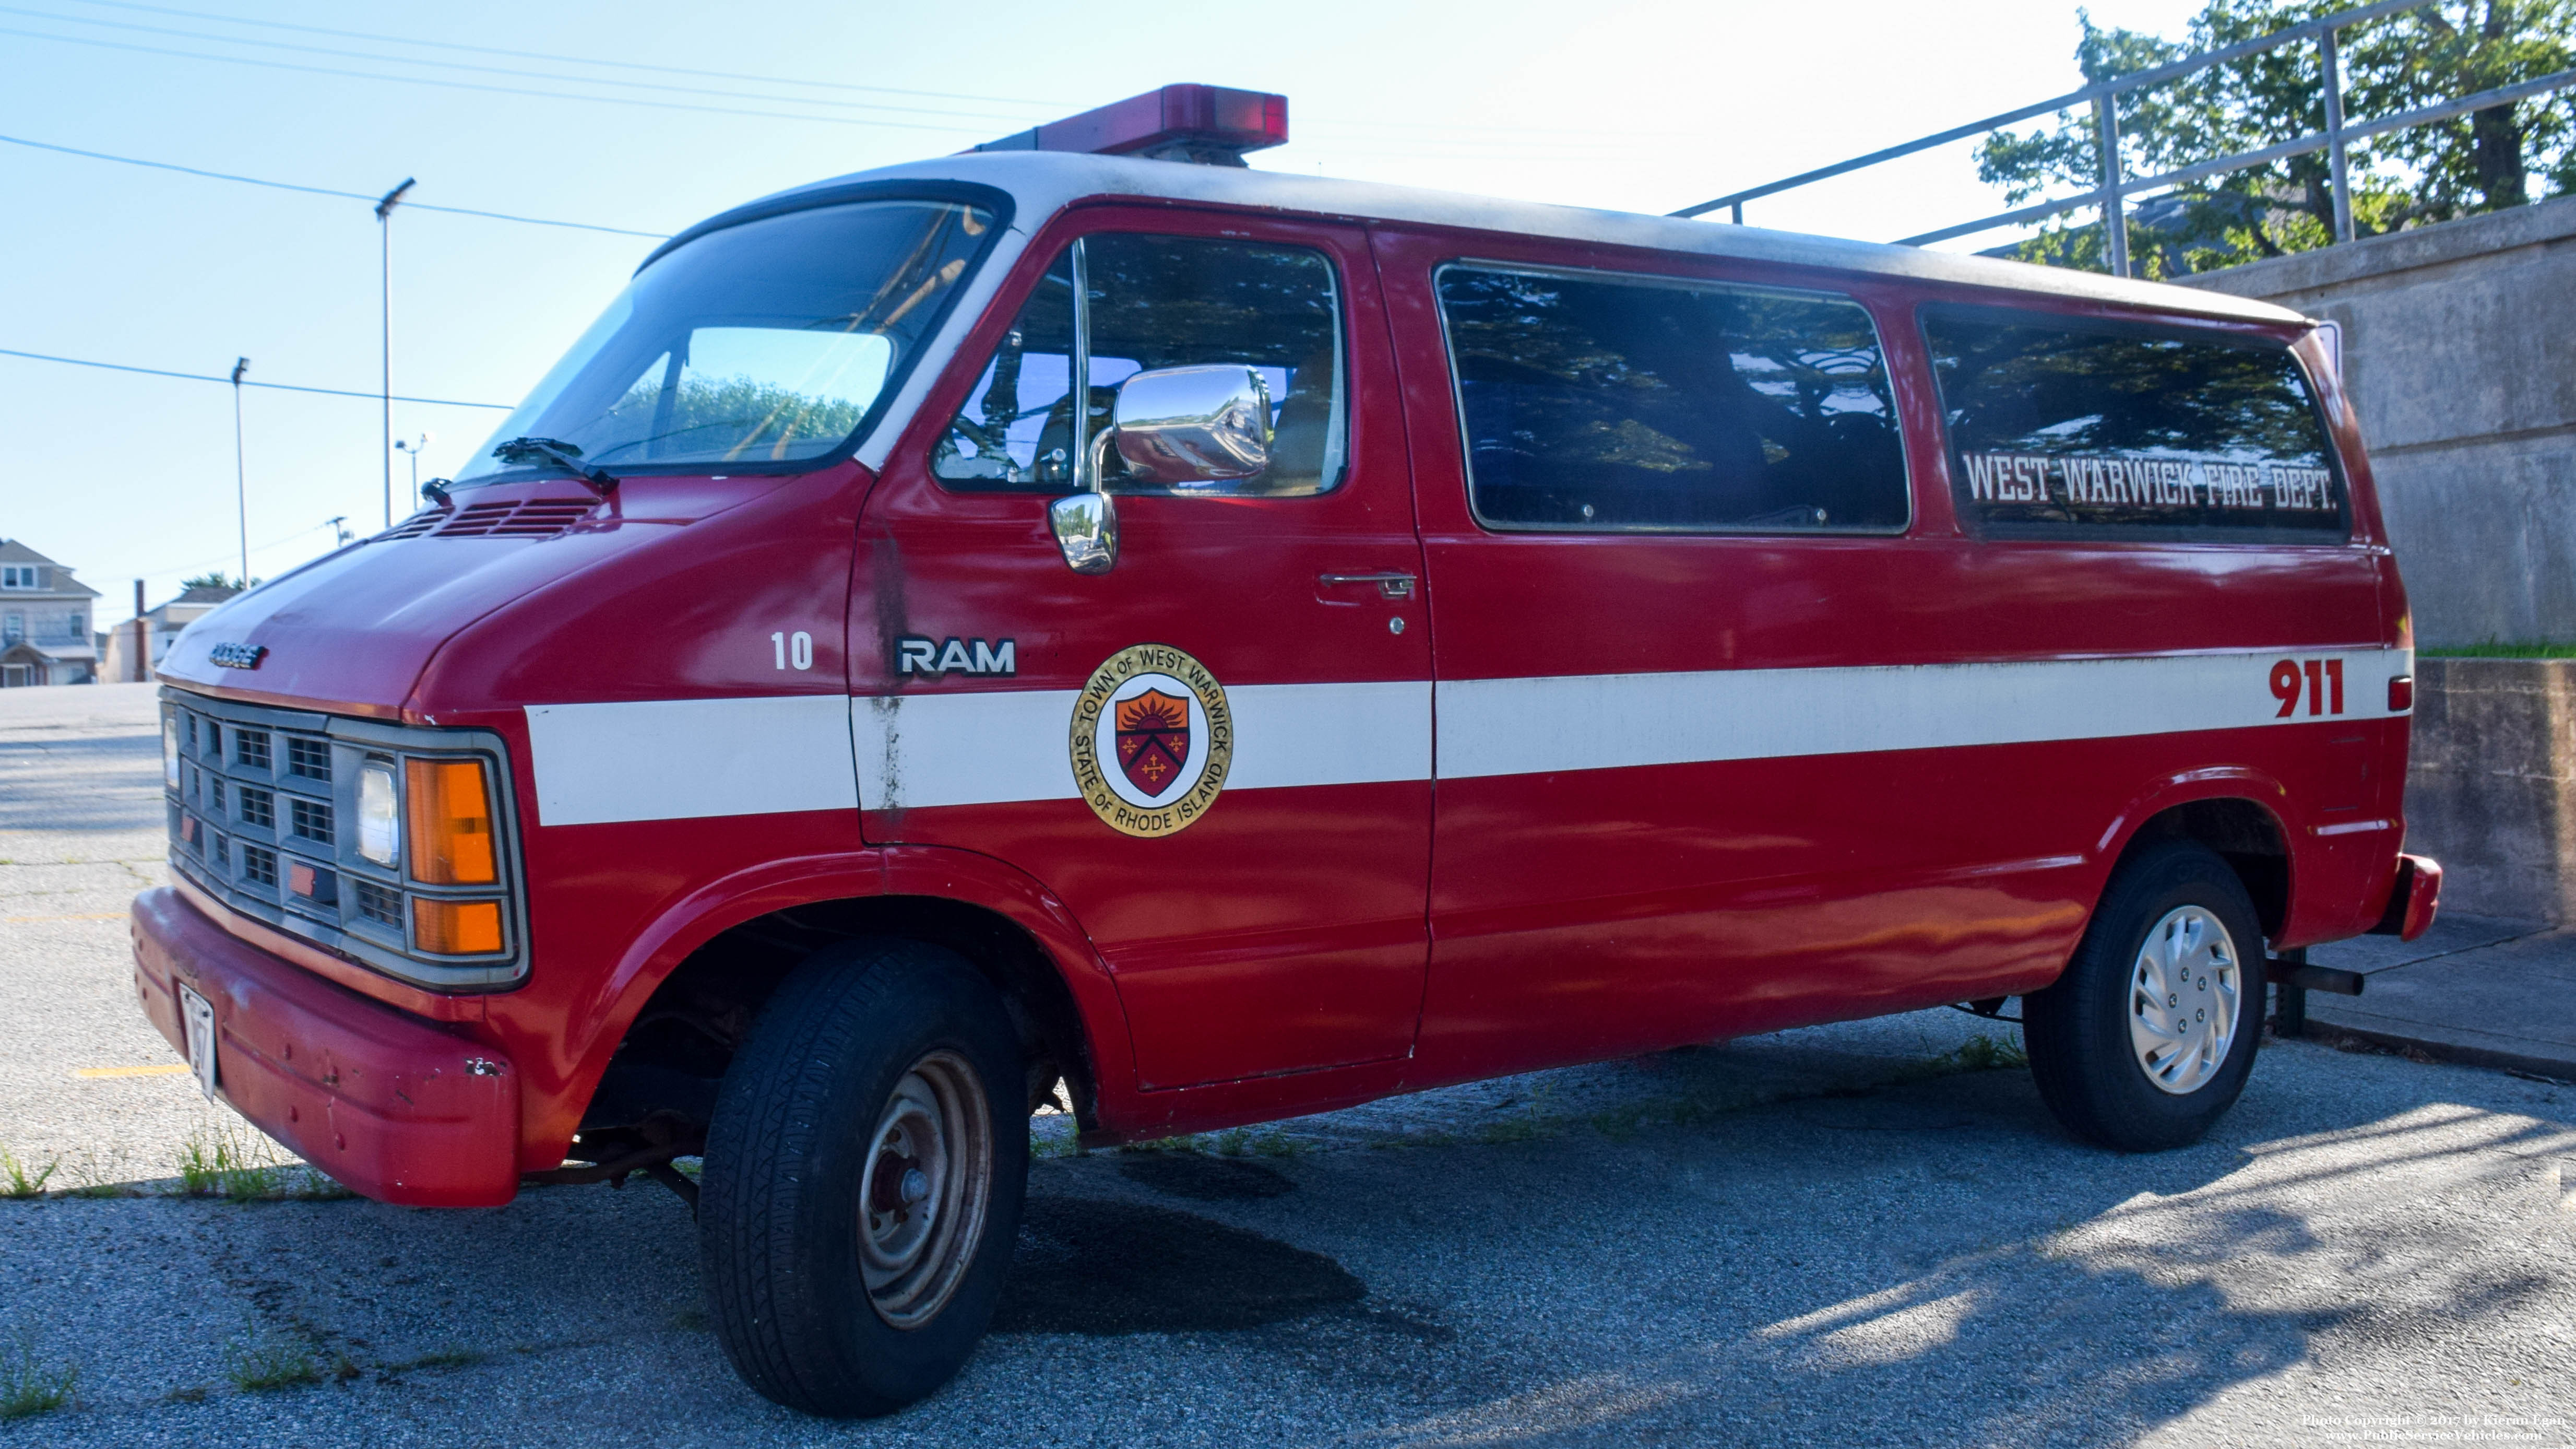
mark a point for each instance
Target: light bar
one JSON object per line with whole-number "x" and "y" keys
{"x": 1210, "y": 125}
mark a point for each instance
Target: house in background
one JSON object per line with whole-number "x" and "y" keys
{"x": 45, "y": 617}
{"x": 161, "y": 626}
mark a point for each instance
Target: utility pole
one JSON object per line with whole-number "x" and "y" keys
{"x": 142, "y": 638}
{"x": 385, "y": 258}
{"x": 241, "y": 485}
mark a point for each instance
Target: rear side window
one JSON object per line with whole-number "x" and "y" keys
{"x": 1156, "y": 302}
{"x": 1600, "y": 402}
{"x": 2060, "y": 426}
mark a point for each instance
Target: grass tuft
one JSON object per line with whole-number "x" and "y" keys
{"x": 29, "y": 1386}
{"x": 21, "y": 1180}
{"x": 231, "y": 1163}
{"x": 264, "y": 1364}
{"x": 1982, "y": 1053}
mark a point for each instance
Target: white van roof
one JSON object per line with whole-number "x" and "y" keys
{"x": 1042, "y": 182}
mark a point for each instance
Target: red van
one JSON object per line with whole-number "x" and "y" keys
{"x": 1224, "y": 645}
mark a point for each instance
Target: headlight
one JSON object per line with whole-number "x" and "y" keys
{"x": 451, "y": 823}
{"x": 170, "y": 751}
{"x": 379, "y": 829}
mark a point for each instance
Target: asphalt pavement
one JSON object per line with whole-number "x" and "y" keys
{"x": 1860, "y": 1234}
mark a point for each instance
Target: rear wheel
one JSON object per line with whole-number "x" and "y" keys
{"x": 863, "y": 1180}
{"x": 2151, "y": 1031}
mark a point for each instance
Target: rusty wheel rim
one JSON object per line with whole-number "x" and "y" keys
{"x": 925, "y": 1189}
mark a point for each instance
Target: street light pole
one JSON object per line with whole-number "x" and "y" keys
{"x": 241, "y": 485}
{"x": 413, "y": 448}
{"x": 385, "y": 258}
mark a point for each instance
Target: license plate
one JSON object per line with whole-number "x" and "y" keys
{"x": 200, "y": 1016}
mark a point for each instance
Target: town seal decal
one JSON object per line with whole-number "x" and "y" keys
{"x": 1151, "y": 740}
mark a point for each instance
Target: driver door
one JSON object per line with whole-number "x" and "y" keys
{"x": 1217, "y": 753}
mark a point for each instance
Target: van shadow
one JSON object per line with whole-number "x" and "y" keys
{"x": 1929, "y": 1262}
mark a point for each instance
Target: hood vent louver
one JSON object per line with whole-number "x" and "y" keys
{"x": 523, "y": 518}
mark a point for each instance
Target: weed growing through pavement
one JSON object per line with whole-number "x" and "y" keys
{"x": 29, "y": 1386}
{"x": 20, "y": 1179}
{"x": 270, "y": 1361}
{"x": 229, "y": 1162}
{"x": 1982, "y": 1053}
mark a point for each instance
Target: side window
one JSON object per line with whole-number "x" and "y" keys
{"x": 1599, "y": 402}
{"x": 1155, "y": 302}
{"x": 2058, "y": 425}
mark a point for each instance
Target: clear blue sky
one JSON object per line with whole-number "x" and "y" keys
{"x": 1642, "y": 106}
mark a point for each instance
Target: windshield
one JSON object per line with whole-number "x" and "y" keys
{"x": 764, "y": 342}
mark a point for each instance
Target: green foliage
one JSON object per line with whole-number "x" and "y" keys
{"x": 20, "y": 1179}
{"x": 268, "y": 1362}
{"x": 230, "y": 1163}
{"x": 30, "y": 1386}
{"x": 212, "y": 579}
{"x": 2484, "y": 161}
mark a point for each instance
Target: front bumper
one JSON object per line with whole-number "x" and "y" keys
{"x": 397, "y": 1108}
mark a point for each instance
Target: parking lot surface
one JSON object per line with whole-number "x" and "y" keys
{"x": 1861, "y": 1234}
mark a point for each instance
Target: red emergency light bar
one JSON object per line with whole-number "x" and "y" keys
{"x": 1210, "y": 125}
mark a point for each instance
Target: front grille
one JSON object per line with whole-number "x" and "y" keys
{"x": 288, "y": 777}
{"x": 308, "y": 758}
{"x": 312, "y": 821}
{"x": 377, "y": 904}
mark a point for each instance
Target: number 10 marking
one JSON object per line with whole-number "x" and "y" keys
{"x": 798, "y": 649}
{"x": 2322, "y": 680}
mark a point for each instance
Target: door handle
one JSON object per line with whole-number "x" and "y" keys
{"x": 1389, "y": 586}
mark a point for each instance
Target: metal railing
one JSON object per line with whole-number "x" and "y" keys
{"x": 2102, "y": 96}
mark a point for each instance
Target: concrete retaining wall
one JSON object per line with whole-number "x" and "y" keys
{"x": 2460, "y": 352}
{"x": 2488, "y": 790}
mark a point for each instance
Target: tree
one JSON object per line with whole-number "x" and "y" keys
{"x": 213, "y": 579}
{"x": 2416, "y": 58}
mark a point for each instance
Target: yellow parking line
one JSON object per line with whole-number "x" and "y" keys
{"x": 92, "y": 916}
{"x": 152, "y": 1071}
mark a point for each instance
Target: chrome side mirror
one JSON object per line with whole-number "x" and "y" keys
{"x": 1086, "y": 528}
{"x": 1210, "y": 423}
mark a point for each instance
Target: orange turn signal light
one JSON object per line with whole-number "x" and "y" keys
{"x": 455, "y": 928}
{"x": 450, "y": 810}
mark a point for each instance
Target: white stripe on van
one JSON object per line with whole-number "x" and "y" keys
{"x": 918, "y": 750}
{"x": 1611, "y": 721}
{"x": 688, "y": 759}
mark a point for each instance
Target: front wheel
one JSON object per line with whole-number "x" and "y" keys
{"x": 2151, "y": 1031}
{"x": 863, "y": 1179}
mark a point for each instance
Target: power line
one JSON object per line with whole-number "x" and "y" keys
{"x": 569, "y": 59}
{"x": 501, "y": 69}
{"x": 457, "y": 85}
{"x": 324, "y": 190}
{"x": 443, "y": 402}
{"x": 1501, "y": 135}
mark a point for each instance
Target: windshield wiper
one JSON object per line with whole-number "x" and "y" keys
{"x": 563, "y": 455}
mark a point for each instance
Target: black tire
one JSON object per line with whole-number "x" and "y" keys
{"x": 2091, "y": 1072}
{"x": 787, "y": 1174}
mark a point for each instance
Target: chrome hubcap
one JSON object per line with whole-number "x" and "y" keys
{"x": 2183, "y": 999}
{"x": 923, "y": 1195}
